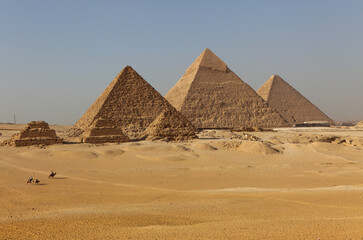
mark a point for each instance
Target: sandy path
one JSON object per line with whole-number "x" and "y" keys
{"x": 237, "y": 189}
{"x": 29, "y": 170}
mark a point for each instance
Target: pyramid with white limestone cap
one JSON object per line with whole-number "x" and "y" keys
{"x": 210, "y": 95}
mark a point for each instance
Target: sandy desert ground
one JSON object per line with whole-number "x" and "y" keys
{"x": 296, "y": 185}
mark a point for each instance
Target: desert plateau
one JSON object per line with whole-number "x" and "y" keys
{"x": 291, "y": 183}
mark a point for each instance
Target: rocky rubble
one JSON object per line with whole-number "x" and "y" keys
{"x": 306, "y": 139}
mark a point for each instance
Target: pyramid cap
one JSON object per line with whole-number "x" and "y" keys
{"x": 265, "y": 89}
{"x": 209, "y": 60}
{"x": 128, "y": 68}
{"x": 276, "y": 77}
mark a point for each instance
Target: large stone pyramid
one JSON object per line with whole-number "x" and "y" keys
{"x": 210, "y": 95}
{"x": 170, "y": 125}
{"x": 128, "y": 103}
{"x": 293, "y": 106}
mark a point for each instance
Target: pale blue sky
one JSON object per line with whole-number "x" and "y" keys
{"x": 56, "y": 57}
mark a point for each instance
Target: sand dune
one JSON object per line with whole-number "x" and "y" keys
{"x": 257, "y": 147}
{"x": 204, "y": 146}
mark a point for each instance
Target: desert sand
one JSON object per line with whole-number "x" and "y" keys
{"x": 293, "y": 184}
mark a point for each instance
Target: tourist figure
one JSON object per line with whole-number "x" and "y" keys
{"x": 30, "y": 180}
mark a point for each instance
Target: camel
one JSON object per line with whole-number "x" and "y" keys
{"x": 30, "y": 180}
{"x": 52, "y": 174}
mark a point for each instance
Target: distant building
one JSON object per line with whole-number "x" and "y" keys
{"x": 313, "y": 124}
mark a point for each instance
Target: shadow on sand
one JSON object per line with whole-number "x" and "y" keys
{"x": 71, "y": 142}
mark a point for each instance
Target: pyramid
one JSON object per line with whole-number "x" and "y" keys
{"x": 210, "y": 95}
{"x": 293, "y": 106}
{"x": 35, "y": 133}
{"x": 103, "y": 131}
{"x": 170, "y": 125}
{"x": 128, "y": 103}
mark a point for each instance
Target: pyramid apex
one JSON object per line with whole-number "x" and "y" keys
{"x": 128, "y": 67}
{"x": 127, "y": 70}
{"x": 210, "y": 60}
{"x": 274, "y": 78}
{"x": 265, "y": 90}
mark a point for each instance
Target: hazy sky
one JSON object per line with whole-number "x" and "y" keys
{"x": 56, "y": 57}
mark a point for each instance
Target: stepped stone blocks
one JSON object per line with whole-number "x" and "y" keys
{"x": 129, "y": 103}
{"x": 210, "y": 95}
{"x": 102, "y": 131}
{"x": 170, "y": 125}
{"x": 293, "y": 106}
{"x": 35, "y": 133}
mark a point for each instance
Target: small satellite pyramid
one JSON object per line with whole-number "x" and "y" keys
{"x": 35, "y": 133}
{"x": 170, "y": 125}
{"x": 103, "y": 131}
{"x": 293, "y": 106}
{"x": 129, "y": 103}
{"x": 210, "y": 95}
